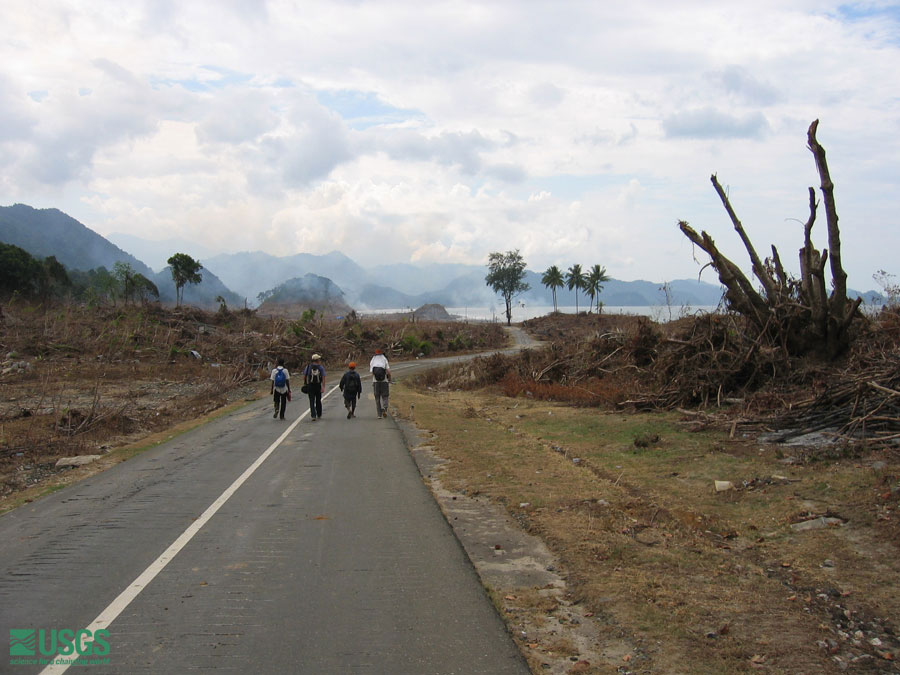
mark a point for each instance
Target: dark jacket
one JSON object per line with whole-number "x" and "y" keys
{"x": 351, "y": 385}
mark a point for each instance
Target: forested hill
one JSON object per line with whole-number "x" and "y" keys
{"x": 50, "y": 232}
{"x": 46, "y": 232}
{"x": 309, "y": 291}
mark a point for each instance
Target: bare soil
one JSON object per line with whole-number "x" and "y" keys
{"x": 77, "y": 381}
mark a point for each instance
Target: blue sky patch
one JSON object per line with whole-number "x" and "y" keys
{"x": 856, "y": 11}
{"x": 362, "y": 109}
{"x": 226, "y": 78}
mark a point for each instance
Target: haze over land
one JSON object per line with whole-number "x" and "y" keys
{"x": 401, "y": 132}
{"x": 325, "y": 281}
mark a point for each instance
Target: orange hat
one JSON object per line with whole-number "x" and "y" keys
{"x": 353, "y": 364}
{"x": 378, "y": 350}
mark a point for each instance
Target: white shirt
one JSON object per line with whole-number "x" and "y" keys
{"x": 379, "y": 361}
{"x": 287, "y": 375}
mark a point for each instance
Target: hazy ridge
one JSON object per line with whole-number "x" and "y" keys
{"x": 245, "y": 276}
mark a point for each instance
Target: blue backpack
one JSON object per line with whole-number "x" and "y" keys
{"x": 280, "y": 377}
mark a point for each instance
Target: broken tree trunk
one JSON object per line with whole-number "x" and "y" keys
{"x": 800, "y": 315}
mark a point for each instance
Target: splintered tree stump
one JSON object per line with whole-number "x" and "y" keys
{"x": 797, "y": 314}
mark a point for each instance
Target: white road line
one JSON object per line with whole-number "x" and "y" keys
{"x": 117, "y": 606}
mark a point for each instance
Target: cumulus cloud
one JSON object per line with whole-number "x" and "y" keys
{"x": 508, "y": 173}
{"x": 237, "y": 117}
{"x": 17, "y": 122}
{"x": 434, "y": 127}
{"x": 711, "y": 123}
{"x": 743, "y": 84}
{"x": 453, "y": 148}
{"x": 546, "y": 94}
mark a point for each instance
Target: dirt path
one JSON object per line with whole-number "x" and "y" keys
{"x": 521, "y": 339}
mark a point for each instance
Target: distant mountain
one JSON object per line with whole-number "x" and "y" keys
{"x": 372, "y": 296}
{"x": 240, "y": 277}
{"x": 870, "y": 298}
{"x": 401, "y": 285}
{"x": 250, "y": 274}
{"x": 452, "y": 285}
{"x": 307, "y": 292}
{"x": 618, "y": 293}
{"x": 157, "y": 252}
{"x": 201, "y": 295}
{"x": 416, "y": 279}
{"x": 45, "y": 232}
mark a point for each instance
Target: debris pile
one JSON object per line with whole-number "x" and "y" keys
{"x": 705, "y": 361}
{"x": 862, "y": 406}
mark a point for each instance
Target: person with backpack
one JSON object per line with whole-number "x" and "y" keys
{"x": 351, "y": 385}
{"x": 281, "y": 387}
{"x": 381, "y": 374}
{"x": 314, "y": 382}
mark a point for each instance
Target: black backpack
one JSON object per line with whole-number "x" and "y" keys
{"x": 351, "y": 386}
{"x": 379, "y": 373}
{"x": 315, "y": 374}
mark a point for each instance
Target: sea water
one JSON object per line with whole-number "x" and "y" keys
{"x": 520, "y": 312}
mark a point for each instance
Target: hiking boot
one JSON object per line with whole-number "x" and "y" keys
{"x": 349, "y": 414}
{"x": 275, "y": 415}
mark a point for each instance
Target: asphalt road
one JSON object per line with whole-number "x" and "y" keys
{"x": 253, "y": 545}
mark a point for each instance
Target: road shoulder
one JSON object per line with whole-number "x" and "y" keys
{"x": 522, "y": 577}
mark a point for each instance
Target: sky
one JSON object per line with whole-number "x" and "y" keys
{"x": 396, "y": 131}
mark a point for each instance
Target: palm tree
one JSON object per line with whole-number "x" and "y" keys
{"x": 594, "y": 283}
{"x": 553, "y": 279}
{"x": 575, "y": 280}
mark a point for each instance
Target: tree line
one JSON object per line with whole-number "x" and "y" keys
{"x": 46, "y": 278}
{"x": 576, "y": 279}
{"x": 506, "y": 274}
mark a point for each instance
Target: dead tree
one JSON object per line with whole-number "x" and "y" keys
{"x": 799, "y": 314}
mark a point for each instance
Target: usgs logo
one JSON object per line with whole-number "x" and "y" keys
{"x": 52, "y": 643}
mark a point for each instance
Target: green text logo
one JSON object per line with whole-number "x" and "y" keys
{"x": 21, "y": 642}
{"x": 54, "y": 642}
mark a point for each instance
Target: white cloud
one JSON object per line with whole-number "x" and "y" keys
{"x": 711, "y": 123}
{"x": 397, "y": 130}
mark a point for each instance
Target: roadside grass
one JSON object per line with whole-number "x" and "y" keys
{"x": 699, "y": 580}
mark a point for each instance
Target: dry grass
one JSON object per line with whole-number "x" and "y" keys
{"x": 96, "y": 378}
{"x": 698, "y": 580}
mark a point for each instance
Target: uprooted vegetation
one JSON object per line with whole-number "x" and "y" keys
{"x": 80, "y": 380}
{"x": 713, "y": 362}
{"x": 799, "y": 313}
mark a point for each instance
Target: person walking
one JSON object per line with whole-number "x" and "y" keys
{"x": 314, "y": 381}
{"x": 281, "y": 388}
{"x": 381, "y": 374}
{"x": 351, "y": 386}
